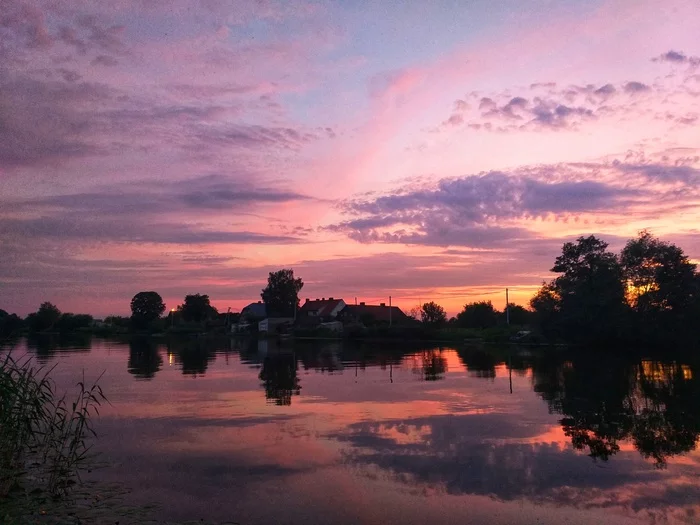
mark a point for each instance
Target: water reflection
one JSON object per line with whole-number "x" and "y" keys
{"x": 605, "y": 402}
{"x": 193, "y": 355}
{"x": 47, "y": 346}
{"x": 279, "y": 377}
{"x": 430, "y": 364}
{"x": 144, "y": 358}
{"x": 415, "y": 420}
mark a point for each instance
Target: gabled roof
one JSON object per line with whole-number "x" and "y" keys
{"x": 255, "y": 310}
{"x": 378, "y": 312}
{"x": 320, "y": 307}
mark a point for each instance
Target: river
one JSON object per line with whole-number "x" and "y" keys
{"x": 325, "y": 432}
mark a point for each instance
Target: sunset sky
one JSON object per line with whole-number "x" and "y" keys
{"x": 437, "y": 150}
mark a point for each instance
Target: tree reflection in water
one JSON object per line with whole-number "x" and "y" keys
{"x": 430, "y": 364}
{"x": 279, "y": 377}
{"x": 194, "y": 354}
{"x": 654, "y": 405}
{"x": 144, "y": 358}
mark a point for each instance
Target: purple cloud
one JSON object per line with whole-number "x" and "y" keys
{"x": 636, "y": 87}
{"x": 104, "y": 60}
{"x": 470, "y": 211}
{"x": 677, "y": 57}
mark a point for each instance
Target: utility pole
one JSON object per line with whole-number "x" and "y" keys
{"x": 390, "y": 310}
{"x": 507, "y": 309}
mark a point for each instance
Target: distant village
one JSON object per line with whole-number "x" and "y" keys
{"x": 326, "y": 313}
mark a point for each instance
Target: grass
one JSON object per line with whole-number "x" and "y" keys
{"x": 44, "y": 438}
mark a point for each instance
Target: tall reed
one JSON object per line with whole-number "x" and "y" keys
{"x": 44, "y": 438}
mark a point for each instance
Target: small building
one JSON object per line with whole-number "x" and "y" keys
{"x": 369, "y": 314}
{"x": 324, "y": 309}
{"x": 250, "y": 315}
{"x": 274, "y": 324}
{"x": 321, "y": 313}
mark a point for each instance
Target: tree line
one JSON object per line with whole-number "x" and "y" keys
{"x": 649, "y": 293}
{"x": 281, "y": 297}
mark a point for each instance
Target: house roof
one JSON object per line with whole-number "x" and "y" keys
{"x": 321, "y": 307}
{"x": 379, "y": 312}
{"x": 257, "y": 310}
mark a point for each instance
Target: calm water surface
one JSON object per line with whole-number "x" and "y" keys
{"x": 331, "y": 433}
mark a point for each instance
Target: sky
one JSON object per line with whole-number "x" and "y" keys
{"x": 425, "y": 151}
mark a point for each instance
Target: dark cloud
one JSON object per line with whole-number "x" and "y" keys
{"x": 104, "y": 60}
{"x": 454, "y": 120}
{"x": 68, "y": 228}
{"x": 545, "y": 106}
{"x": 487, "y": 104}
{"x": 469, "y": 211}
{"x": 254, "y": 136}
{"x": 552, "y": 115}
{"x": 666, "y": 173}
{"x": 606, "y": 90}
{"x": 22, "y": 24}
{"x": 636, "y": 87}
{"x": 677, "y": 57}
{"x": 102, "y": 36}
{"x": 46, "y": 121}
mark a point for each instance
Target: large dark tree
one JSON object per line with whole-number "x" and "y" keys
{"x": 44, "y": 318}
{"x": 481, "y": 314}
{"x": 433, "y": 314}
{"x": 197, "y": 308}
{"x": 659, "y": 275}
{"x": 9, "y": 323}
{"x": 589, "y": 294}
{"x": 518, "y": 315}
{"x": 281, "y": 295}
{"x": 146, "y": 307}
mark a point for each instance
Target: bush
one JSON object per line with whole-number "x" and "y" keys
{"x": 41, "y": 434}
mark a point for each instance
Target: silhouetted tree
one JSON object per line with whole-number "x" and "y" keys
{"x": 433, "y": 314}
{"x": 146, "y": 307}
{"x": 589, "y": 295}
{"x": 10, "y": 324}
{"x": 197, "y": 308}
{"x": 43, "y": 319}
{"x": 73, "y": 322}
{"x": 481, "y": 314}
{"x": 518, "y": 315}
{"x": 281, "y": 295}
{"x": 661, "y": 284}
{"x": 546, "y": 305}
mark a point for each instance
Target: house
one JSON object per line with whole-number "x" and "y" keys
{"x": 250, "y": 315}
{"x": 323, "y": 309}
{"x": 369, "y": 314}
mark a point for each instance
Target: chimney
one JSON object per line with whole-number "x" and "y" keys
{"x": 362, "y": 304}
{"x": 382, "y": 304}
{"x": 330, "y": 299}
{"x": 307, "y": 299}
{"x": 323, "y": 298}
